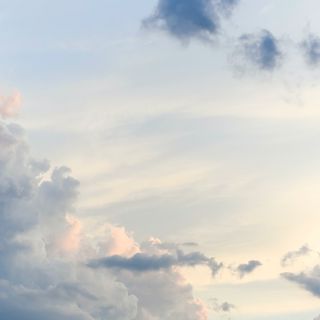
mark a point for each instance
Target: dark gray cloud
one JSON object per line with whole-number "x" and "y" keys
{"x": 142, "y": 262}
{"x": 291, "y": 256}
{"x": 262, "y": 50}
{"x": 247, "y": 268}
{"x": 186, "y": 19}
{"x": 311, "y": 49}
{"x": 310, "y": 281}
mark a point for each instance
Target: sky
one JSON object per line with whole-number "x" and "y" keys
{"x": 159, "y": 160}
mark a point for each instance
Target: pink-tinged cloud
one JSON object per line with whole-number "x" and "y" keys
{"x": 10, "y": 105}
{"x": 71, "y": 241}
{"x": 121, "y": 243}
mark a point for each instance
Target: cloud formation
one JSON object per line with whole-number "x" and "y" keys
{"x": 261, "y": 50}
{"x": 291, "y": 256}
{"x": 142, "y": 262}
{"x": 247, "y": 268}
{"x": 224, "y": 307}
{"x": 187, "y": 19}
{"x": 311, "y": 49}
{"x": 45, "y": 248}
{"x": 310, "y": 281}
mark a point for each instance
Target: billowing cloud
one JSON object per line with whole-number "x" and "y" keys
{"x": 186, "y": 19}
{"x": 142, "y": 262}
{"x": 311, "y": 49}
{"x": 310, "y": 281}
{"x": 10, "y": 105}
{"x": 247, "y": 268}
{"x": 261, "y": 50}
{"x": 291, "y": 256}
{"x": 45, "y": 249}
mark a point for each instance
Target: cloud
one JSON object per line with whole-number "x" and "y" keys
{"x": 45, "y": 248}
{"x": 224, "y": 307}
{"x": 311, "y": 49}
{"x": 291, "y": 256}
{"x": 10, "y": 105}
{"x": 247, "y": 268}
{"x": 310, "y": 281}
{"x": 187, "y": 19}
{"x": 261, "y": 50}
{"x": 142, "y": 262}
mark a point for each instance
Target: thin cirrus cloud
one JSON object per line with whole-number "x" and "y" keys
{"x": 187, "y": 19}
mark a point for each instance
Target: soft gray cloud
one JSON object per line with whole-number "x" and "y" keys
{"x": 186, "y": 19}
{"x": 311, "y": 49}
{"x": 247, "y": 268}
{"x": 261, "y": 50}
{"x": 142, "y": 262}
{"x": 224, "y": 307}
{"x": 291, "y": 256}
{"x": 310, "y": 281}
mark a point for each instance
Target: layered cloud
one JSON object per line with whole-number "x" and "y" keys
{"x": 187, "y": 19}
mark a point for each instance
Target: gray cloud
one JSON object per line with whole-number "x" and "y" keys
{"x": 186, "y": 19}
{"x": 262, "y": 50}
{"x": 291, "y": 256}
{"x": 247, "y": 268}
{"x": 309, "y": 281}
{"x": 224, "y": 307}
{"x": 142, "y": 262}
{"x": 311, "y": 49}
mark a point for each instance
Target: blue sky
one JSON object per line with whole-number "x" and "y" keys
{"x": 191, "y": 131}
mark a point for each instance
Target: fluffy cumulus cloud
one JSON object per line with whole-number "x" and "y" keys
{"x": 186, "y": 19}
{"x": 311, "y": 49}
{"x": 247, "y": 268}
{"x": 45, "y": 249}
{"x": 261, "y": 50}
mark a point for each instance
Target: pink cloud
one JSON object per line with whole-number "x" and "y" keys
{"x": 10, "y": 105}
